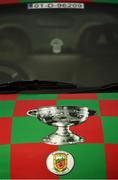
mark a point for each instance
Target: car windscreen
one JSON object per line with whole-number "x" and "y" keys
{"x": 78, "y": 46}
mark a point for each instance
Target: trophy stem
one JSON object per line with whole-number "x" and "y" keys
{"x": 63, "y": 136}
{"x": 63, "y": 131}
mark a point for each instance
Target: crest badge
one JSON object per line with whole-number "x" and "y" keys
{"x": 60, "y": 162}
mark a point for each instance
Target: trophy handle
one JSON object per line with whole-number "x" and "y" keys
{"x": 32, "y": 112}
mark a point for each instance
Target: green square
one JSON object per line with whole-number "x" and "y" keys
{"x": 107, "y": 96}
{"x": 105, "y": 1}
{"x": 37, "y": 97}
{"x": 89, "y": 161}
{"x": 29, "y": 129}
{"x": 110, "y": 127}
{"x": 4, "y": 161}
{"x": 6, "y": 108}
{"x": 91, "y": 104}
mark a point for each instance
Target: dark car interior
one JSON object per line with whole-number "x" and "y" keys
{"x": 76, "y": 46}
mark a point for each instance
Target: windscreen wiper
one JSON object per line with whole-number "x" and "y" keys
{"x": 35, "y": 85}
{"x": 111, "y": 87}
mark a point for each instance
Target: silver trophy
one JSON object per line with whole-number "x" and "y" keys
{"x": 62, "y": 117}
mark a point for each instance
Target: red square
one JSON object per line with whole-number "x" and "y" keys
{"x": 109, "y": 107}
{"x": 22, "y": 107}
{"x": 91, "y": 130}
{"x": 78, "y": 96}
{"x": 28, "y": 161}
{"x": 112, "y": 161}
{"x": 9, "y": 1}
{"x": 5, "y": 130}
{"x": 8, "y": 97}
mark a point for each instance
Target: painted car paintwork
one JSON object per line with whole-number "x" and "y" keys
{"x": 23, "y": 154}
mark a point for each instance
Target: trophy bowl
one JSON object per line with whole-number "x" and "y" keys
{"x": 62, "y": 117}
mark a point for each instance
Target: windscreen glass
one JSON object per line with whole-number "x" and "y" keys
{"x": 68, "y": 45}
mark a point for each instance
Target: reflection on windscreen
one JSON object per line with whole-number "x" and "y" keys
{"x": 59, "y": 45}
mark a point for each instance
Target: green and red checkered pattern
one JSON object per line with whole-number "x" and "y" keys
{"x": 23, "y": 154}
{"x": 28, "y": 1}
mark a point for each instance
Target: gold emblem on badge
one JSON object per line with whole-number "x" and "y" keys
{"x": 60, "y": 162}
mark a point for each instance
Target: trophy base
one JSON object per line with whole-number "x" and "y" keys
{"x": 56, "y": 139}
